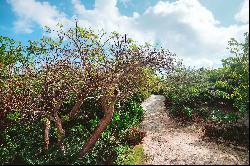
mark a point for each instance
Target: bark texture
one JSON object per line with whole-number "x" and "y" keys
{"x": 46, "y": 134}
{"x": 102, "y": 125}
{"x": 61, "y": 132}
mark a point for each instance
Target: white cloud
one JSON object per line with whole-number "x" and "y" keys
{"x": 185, "y": 27}
{"x": 105, "y": 15}
{"x": 243, "y": 14}
{"x": 31, "y": 11}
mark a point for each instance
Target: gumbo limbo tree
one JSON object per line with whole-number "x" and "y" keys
{"x": 79, "y": 63}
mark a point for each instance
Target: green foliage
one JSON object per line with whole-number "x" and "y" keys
{"x": 237, "y": 73}
{"x": 219, "y": 116}
{"x": 14, "y": 115}
{"x": 220, "y": 95}
{"x": 127, "y": 115}
{"x": 11, "y": 55}
{"x": 22, "y": 143}
{"x": 134, "y": 156}
{"x": 184, "y": 90}
{"x": 11, "y": 51}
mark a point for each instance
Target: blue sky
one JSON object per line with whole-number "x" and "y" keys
{"x": 196, "y": 30}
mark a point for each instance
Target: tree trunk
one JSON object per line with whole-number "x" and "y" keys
{"x": 76, "y": 108}
{"x": 60, "y": 132}
{"x": 102, "y": 125}
{"x": 46, "y": 134}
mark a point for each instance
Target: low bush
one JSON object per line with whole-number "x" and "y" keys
{"x": 131, "y": 156}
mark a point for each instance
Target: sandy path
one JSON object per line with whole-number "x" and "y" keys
{"x": 166, "y": 143}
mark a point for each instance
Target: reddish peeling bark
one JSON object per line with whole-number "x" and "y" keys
{"x": 59, "y": 127}
{"x": 46, "y": 134}
{"x": 61, "y": 132}
{"x": 102, "y": 125}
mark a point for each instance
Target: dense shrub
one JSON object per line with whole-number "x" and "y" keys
{"x": 22, "y": 142}
{"x": 220, "y": 95}
{"x": 183, "y": 90}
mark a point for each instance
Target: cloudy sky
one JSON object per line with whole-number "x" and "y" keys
{"x": 196, "y": 30}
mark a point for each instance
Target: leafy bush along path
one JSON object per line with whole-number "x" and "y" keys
{"x": 167, "y": 143}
